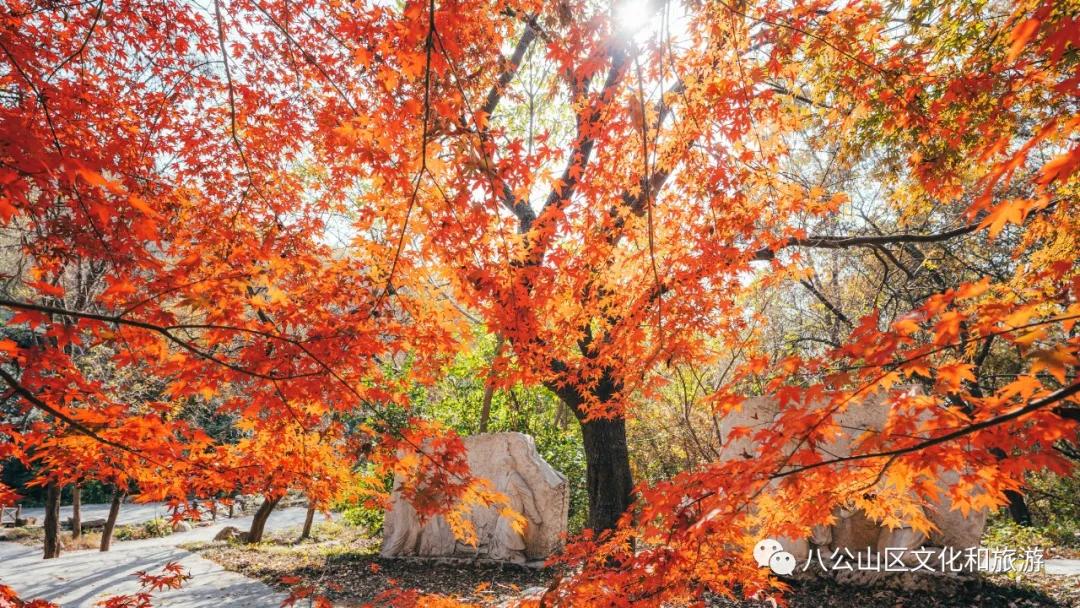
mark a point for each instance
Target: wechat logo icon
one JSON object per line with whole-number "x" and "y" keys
{"x": 769, "y": 552}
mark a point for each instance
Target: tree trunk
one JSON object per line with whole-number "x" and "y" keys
{"x": 110, "y": 523}
{"x": 609, "y": 481}
{"x": 308, "y": 520}
{"x": 1018, "y": 508}
{"x": 52, "y": 520}
{"x": 485, "y": 407}
{"x": 608, "y": 477}
{"x": 489, "y": 388}
{"x": 258, "y": 522}
{"x": 76, "y": 511}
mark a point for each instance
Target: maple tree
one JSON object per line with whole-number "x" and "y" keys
{"x": 277, "y": 202}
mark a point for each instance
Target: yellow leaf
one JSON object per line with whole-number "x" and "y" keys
{"x": 140, "y": 205}
{"x": 1008, "y": 212}
{"x": 1053, "y": 361}
{"x": 952, "y": 374}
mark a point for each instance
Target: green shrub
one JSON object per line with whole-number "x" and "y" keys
{"x": 1054, "y": 507}
{"x": 1002, "y": 533}
{"x": 1055, "y": 515}
{"x": 155, "y": 528}
{"x": 365, "y": 517}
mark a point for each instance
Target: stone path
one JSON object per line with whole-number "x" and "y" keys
{"x": 130, "y": 513}
{"x": 80, "y": 579}
{"x": 1062, "y": 567}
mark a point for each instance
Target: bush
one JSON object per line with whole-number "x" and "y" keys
{"x": 1055, "y": 515}
{"x": 155, "y": 528}
{"x": 1054, "y": 506}
{"x": 1005, "y": 534}
{"x": 365, "y": 517}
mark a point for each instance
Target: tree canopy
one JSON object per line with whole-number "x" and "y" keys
{"x": 291, "y": 212}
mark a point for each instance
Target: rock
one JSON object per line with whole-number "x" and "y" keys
{"x": 510, "y": 462}
{"x": 853, "y": 530}
{"x": 228, "y": 533}
{"x": 181, "y": 526}
{"x": 87, "y": 524}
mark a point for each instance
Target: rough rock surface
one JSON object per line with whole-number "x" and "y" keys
{"x": 86, "y": 524}
{"x": 510, "y": 462}
{"x": 853, "y": 531}
{"x": 228, "y": 533}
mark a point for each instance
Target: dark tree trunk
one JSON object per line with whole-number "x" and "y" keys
{"x": 258, "y": 522}
{"x": 608, "y": 478}
{"x": 308, "y": 520}
{"x": 52, "y": 520}
{"x": 1018, "y": 508}
{"x": 609, "y": 482}
{"x": 110, "y": 523}
{"x": 76, "y": 511}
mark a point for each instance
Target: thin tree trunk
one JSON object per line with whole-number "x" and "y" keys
{"x": 76, "y": 511}
{"x": 308, "y": 520}
{"x": 52, "y": 520}
{"x": 1018, "y": 509}
{"x": 489, "y": 388}
{"x": 258, "y": 522}
{"x": 110, "y": 523}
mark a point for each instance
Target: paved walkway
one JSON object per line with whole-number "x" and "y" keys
{"x": 130, "y": 513}
{"x": 80, "y": 579}
{"x": 1063, "y": 567}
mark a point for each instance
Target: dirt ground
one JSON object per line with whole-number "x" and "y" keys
{"x": 1034, "y": 591}
{"x": 342, "y": 563}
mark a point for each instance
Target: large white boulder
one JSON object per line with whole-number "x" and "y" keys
{"x": 853, "y": 530}
{"x": 510, "y": 462}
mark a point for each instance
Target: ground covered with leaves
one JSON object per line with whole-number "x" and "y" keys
{"x": 342, "y": 563}
{"x": 1032, "y": 591}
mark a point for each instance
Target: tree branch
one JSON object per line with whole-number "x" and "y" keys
{"x": 37, "y": 402}
{"x": 1052, "y": 398}
{"x": 844, "y": 242}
